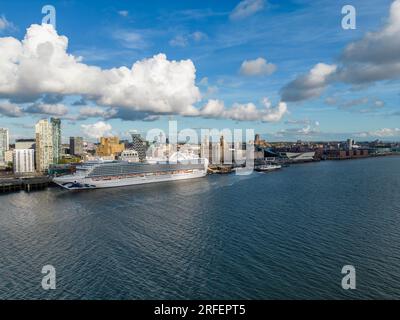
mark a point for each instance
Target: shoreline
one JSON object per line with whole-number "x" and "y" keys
{"x": 14, "y": 184}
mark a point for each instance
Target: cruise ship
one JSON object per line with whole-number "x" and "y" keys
{"x": 109, "y": 174}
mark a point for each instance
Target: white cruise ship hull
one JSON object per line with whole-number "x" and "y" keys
{"x": 79, "y": 183}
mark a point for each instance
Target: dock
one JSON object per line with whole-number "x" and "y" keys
{"x": 27, "y": 184}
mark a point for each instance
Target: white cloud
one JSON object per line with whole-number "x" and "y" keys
{"x": 131, "y": 39}
{"x": 306, "y": 131}
{"x": 384, "y": 133}
{"x": 359, "y": 105}
{"x": 5, "y": 24}
{"x": 302, "y": 122}
{"x": 48, "y": 109}
{"x": 178, "y": 41}
{"x": 213, "y": 109}
{"x": 41, "y": 65}
{"x": 247, "y": 8}
{"x": 123, "y": 13}
{"x": 376, "y": 56}
{"x": 245, "y": 112}
{"x": 331, "y": 101}
{"x": 10, "y": 110}
{"x": 379, "y": 103}
{"x": 257, "y": 67}
{"x": 96, "y": 130}
{"x": 204, "y": 81}
{"x": 310, "y": 85}
{"x": 199, "y": 36}
{"x": 361, "y": 135}
{"x": 184, "y": 40}
{"x": 212, "y": 90}
{"x": 92, "y": 112}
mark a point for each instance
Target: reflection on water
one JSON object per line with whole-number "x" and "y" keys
{"x": 281, "y": 235}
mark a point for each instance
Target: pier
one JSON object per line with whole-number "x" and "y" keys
{"x": 26, "y": 184}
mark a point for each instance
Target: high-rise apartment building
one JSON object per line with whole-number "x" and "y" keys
{"x": 48, "y": 143}
{"x": 4, "y": 144}
{"x": 44, "y": 145}
{"x": 56, "y": 133}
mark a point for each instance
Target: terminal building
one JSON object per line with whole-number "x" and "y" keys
{"x": 24, "y": 161}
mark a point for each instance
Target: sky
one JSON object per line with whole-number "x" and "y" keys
{"x": 287, "y": 69}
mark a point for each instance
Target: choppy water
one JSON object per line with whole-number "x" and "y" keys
{"x": 283, "y": 235}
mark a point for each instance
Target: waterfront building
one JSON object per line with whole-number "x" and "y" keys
{"x": 187, "y": 148}
{"x": 44, "y": 145}
{"x": 8, "y": 156}
{"x": 258, "y": 142}
{"x": 22, "y": 144}
{"x": 56, "y": 134}
{"x": 222, "y": 152}
{"x": 24, "y": 161}
{"x": 298, "y": 156}
{"x": 140, "y": 145}
{"x": 239, "y": 153}
{"x": 226, "y": 152}
{"x": 89, "y": 147}
{"x": 158, "y": 150}
{"x": 110, "y": 147}
{"x": 259, "y": 153}
{"x": 350, "y": 143}
{"x": 382, "y": 150}
{"x": 4, "y": 144}
{"x": 65, "y": 150}
{"x": 205, "y": 147}
{"x": 346, "y": 154}
{"x": 126, "y": 143}
{"x": 76, "y": 146}
{"x": 215, "y": 153}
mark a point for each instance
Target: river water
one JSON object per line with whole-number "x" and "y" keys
{"x": 280, "y": 235}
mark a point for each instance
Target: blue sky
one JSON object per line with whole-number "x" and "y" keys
{"x": 292, "y": 36}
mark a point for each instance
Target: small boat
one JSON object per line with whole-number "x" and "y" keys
{"x": 268, "y": 167}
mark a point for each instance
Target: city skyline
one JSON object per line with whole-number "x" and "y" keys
{"x": 200, "y": 133}
{"x": 199, "y": 158}
{"x": 285, "y": 87}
